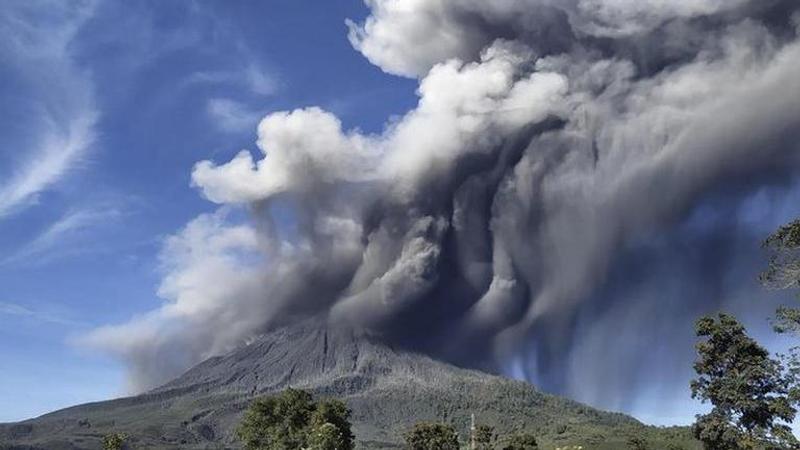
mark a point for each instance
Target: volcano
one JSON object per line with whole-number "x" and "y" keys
{"x": 388, "y": 389}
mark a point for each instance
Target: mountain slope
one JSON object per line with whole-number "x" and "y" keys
{"x": 387, "y": 389}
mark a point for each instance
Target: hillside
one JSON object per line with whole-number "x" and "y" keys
{"x": 387, "y": 389}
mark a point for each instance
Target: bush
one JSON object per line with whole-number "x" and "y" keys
{"x": 484, "y": 437}
{"x": 114, "y": 441}
{"x": 522, "y": 441}
{"x": 637, "y": 443}
{"x": 326, "y": 437}
{"x": 432, "y": 436}
{"x": 292, "y": 420}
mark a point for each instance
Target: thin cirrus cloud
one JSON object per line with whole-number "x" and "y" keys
{"x": 57, "y": 239}
{"x": 62, "y": 93}
{"x": 261, "y": 81}
{"x": 254, "y": 78}
{"x": 20, "y": 311}
{"x": 57, "y": 155}
{"x": 233, "y": 116}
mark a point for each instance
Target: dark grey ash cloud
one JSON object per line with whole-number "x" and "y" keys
{"x": 533, "y": 201}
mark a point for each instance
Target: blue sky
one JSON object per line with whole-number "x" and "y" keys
{"x": 106, "y": 107}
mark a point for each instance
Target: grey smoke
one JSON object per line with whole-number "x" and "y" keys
{"x": 544, "y": 191}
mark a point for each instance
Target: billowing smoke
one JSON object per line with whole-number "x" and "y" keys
{"x": 569, "y": 161}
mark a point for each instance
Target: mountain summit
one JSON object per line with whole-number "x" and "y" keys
{"x": 388, "y": 390}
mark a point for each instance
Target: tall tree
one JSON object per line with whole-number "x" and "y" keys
{"x": 327, "y": 437}
{"x": 749, "y": 390}
{"x": 637, "y": 443}
{"x": 432, "y": 436}
{"x": 784, "y": 265}
{"x": 292, "y": 420}
{"x": 484, "y": 437}
{"x": 523, "y": 441}
{"x": 335, "y": 413}
{"x": 783, "y": 272}
{"x": 114, "y": 441}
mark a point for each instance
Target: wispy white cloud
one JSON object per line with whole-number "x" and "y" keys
{"x": 232, "y": 116}
{"x": 56, "y": 155}
{"x": 17, "y": 310}
{"x": 227, "y": 114}
{"x": 60, "y": 91}
{"x": 60, "y": 238}
{"x": 261, "y": 81}
{"x": 253, "y": 77}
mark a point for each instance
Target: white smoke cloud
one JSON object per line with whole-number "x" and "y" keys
{"x": 294, "y": 159}
{"x": 213, "y": 271}
{"x": 410, "y": 37}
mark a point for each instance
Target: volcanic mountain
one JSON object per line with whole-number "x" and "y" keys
{"x": 388, "y": 390}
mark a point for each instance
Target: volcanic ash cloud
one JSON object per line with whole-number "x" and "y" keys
{"x": 550, "y": 139}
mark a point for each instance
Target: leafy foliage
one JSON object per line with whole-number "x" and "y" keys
{"x": 326, "y": 437}
{"x": 292, "y": 420}
{"x": 784, "y": 265}
{"x": 637, "y": 443}
{"x": 334, "y": 412}
{"x": 522, "y": 441}
{"x": 432, "y": 436}
{"x": 114, "y": 441}
{"x": 783, "y": 273}
{"x": 484, "y": 437}
{"x": 748, "y": 390}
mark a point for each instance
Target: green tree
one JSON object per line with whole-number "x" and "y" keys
{"x": 327, "y": 437}
{"x": 523, "y": 441}
{"x": 114, "y": 441}
{"x": 484, "y": 437}
{"x": 783, "y": 272}
{"x": 747, "y": 389}
{"x": 637, "y": 443}
{"x": 334, "y": 412}
{"x": 292, "y": 420}
{"x": 432, "y": 436}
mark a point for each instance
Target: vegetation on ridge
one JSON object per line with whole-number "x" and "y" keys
{"x": 292, "y": 420}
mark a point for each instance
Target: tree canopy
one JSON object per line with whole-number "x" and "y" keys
{"x": 432, "y": 436}
{"x": 292, "y": 420}
{"x": 637, "y": 443}
{"x": 523, "y": 441}
{"x": 783, "y": 272}
{"x": 114, "y": 441}
{"x": 484, "y": 437}
{"x": 784, "y": 266}
{"x": 748, "y": 389}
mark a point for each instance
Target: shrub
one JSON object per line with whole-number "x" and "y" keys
{"x": 292, "y": 420}
{"x": 522, "y": 441}
{"x": 114, "y": 441}
{"x": 432, "y": 436}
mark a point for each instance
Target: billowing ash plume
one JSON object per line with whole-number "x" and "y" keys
{"x": 567, "y": 161}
